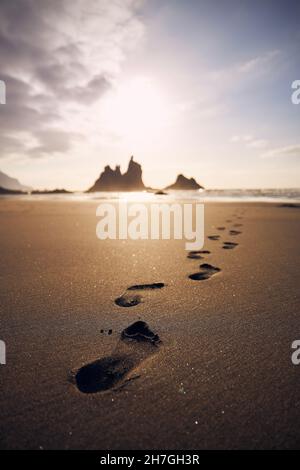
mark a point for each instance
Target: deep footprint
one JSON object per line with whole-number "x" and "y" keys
{"x": 213, "y": 237}
{"x": 207, "y": 272}
{"x": 234, "y": 232}
{"x": 136, "y": 344}
{"x": 229, "y": 245}
{"x": 131, "y": 300}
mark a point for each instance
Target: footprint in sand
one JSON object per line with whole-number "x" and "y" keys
{"x": 229, "y": 245}
{"x": 213, "y": 237}
{"x": 130, "y": 300}
{"x": 196, "y": 254}
{"x": 207, "y": 271}
{"x": 237, "y": 225}
{"x": 234, "y": 232}
{"x": 137, "y": 342}
{"x": 221, "y": 228}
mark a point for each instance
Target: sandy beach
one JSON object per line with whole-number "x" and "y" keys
{"x": 221, "y": 375}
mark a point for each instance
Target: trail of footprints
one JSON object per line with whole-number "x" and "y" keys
{"x": 208, "y": 270}
{"x": 138, "y": 342}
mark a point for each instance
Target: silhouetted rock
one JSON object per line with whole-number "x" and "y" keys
{"x": 184, "y": 183}
{"x": 133, "y": 176}
{"x": 160, "y": 192}
{"x": 114, "y": 180}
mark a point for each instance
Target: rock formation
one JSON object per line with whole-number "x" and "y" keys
{"x": 114, "y": 180}
{"x": 184, "y": 183}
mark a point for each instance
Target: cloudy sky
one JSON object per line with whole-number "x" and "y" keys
{"x": 201, "y": 87}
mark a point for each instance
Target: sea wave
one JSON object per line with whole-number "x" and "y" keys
{"x": 208, "y": 195}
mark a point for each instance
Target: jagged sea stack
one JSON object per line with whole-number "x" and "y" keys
{"x": 114, "y": 180}
{"x": 184, "y": 183}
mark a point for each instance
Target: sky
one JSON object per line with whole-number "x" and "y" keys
{"x": 199, "y": 87}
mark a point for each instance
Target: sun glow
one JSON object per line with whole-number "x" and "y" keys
{"x": 137, "y": 109}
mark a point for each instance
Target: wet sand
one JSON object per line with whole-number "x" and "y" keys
{"x": 210, "y": 367}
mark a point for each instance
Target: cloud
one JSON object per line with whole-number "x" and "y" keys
{"x": 51, "y": 142}
{"x": 238, "y": 74}
{"x": 57, "y": 58}
{"x": 258, "y": 143}
{"x": 259, "y": 62}
{"x": 288, "y": 151}
{"x": 249, "y": 141}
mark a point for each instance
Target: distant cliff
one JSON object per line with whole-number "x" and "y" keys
{"x": 184, "y": 183}
{"x": 6, "y": 182}
{"x": 114, "y": 180}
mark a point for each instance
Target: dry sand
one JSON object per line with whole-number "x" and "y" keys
{"x": 222, "y": 376}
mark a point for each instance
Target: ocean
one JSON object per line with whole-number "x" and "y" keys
{"x": 290, "y": 195}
